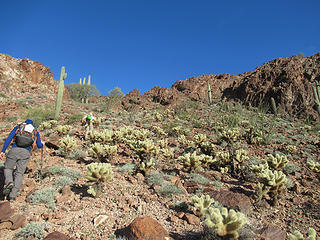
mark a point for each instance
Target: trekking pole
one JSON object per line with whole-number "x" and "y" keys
{"x": 41, "y": 162}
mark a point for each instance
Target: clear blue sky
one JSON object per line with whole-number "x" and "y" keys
{"x": 146, "y": 43}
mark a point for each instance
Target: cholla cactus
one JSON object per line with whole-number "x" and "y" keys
{"x": 241, "y": 156}
{"x": 145, "y": 149}
{"x": 229, "y": 135}
{"x": 296, "y": 235}
{"x": 291, "y": 149}
{"x": 96, "y": 150}
{"x": 145, "y": 166}
{"x": 278, "y": 161}
{"x": 315, "y": 166}
{"x": 168, "y": 152}
{"x": 259, "y": 168}
{"x": 225, "y": 223}
{"x": 63, "y": 129}
{"x": 163, "y": 143}
{"x": 254, "y": 136}
{"x": 193, "y": 161}
{"x": 67, "y": 143}
{"x": 272, "y": 183}
{"x": 185, "y": 142}
{"x": 201, "y": 204}
{"x": 105, "y": 136}
{"x": 159, "y": 131}
{"x": 158, "y": 116}
{"x": 97, "y": 175}
{"x": 110, "y": 151}
{"x": 200, "y": 138}
{"x": 208, "y": 148}
{"x": 48, "y": 124}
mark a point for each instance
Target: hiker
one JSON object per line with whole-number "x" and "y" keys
{"x": 88, "y": 121}
{"x": 24, "y": 137}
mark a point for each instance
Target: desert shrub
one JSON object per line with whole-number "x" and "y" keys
{"x": 33, "y": 230}
{"x": 39, "y": 115}
{"x": 62, "y": 181}
{"x": 72, "y": 173}
{"x": 46, "y": 196}
{"x": 79, "y": 91}
{"x": 114, "y": 98}
{"x": 169, "y": 190}
{"x": 74, "y": 118}
{"x": 198, "y": 178}
{"x": 156, "y": 178}
{"x": 78, "y": 154}
{"x": 291, "y": 168}
{"x": 128, "y": 167}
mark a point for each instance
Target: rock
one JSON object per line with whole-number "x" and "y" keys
{"x": 5, "y": 210}
{"x": 191, "y": 219}
{"x": 100, "y": 220}
{"x": 237, "y": 201}
{"x": 5, "y": 225}
{"x": 18, "y": 221}
{"x": 145, "y": 228}
{"x": 174, "y": 219}
{"x": 57, "y": 236}
{"x": 270, "y": 232}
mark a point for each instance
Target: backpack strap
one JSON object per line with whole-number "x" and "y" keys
{"x": 33, "y": 146}
{"x": 18, "y": 128}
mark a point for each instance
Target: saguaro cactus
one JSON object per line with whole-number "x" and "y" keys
{"x": 209, "y": 93}
{"x": 63, "y": 76}
{"x": 85, "y": 90}
{"x": 316, "y": 94}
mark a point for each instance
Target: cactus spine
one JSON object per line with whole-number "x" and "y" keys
{"x": 209, "y": 93}
{"x": 63, "y": 76}
{"x": 316, "y": 94}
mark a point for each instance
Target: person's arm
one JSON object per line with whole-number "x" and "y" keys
{"x": 38, "y": 142}
{"x": 9, "y": 139}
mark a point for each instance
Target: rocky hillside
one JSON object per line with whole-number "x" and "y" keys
{"x": 173, "y": 166}
{"x": 288, "y": 80}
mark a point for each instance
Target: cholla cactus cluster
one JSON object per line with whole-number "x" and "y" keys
{"x": 97, "y": 175}
{"x": 106, "y": 136}
{"x": 208, "y": 148}
{"x": 315, "y": 166}
{"x": 277, "y": 162}
{"x": 254, "y": 136}
{"x": 271, "y": 183}
{"x": 229, "y": 134}
{"x": 185, "y": 142}
{"x": 145, "y": 149}
{"x": 99, "y": 151}
{"x": 146, "y": 166}
{"x": 201, "y": 204}
{"x": 159, "y": 131}
{"x": 296, "y": 235}
{"x": 63, "y": 129}
{"x": 67, "y": 143}
{"x": 224, "y": 222}
{"x": 48, "y": 124}
{"x": 193, "y": 161}
{"x": 200, "y": 139}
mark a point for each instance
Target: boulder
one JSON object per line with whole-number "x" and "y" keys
{"x": 145, "y": 228}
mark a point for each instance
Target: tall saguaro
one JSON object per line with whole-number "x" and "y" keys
{"x": 63, "y": 76}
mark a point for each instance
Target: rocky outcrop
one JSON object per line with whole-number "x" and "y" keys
{"x": 288, "y": 80}
{"x": 19, "y": 77}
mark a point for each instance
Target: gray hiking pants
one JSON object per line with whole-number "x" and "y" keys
{"x": 19, "y": 158}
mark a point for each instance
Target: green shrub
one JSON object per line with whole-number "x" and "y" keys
{"x": 74, "y": 118}
{"x": 79, "y": 91}
{"x": 62, "y": 181}
{"x": 33, "y": 230}
{"x": 46, "y": 196}
{"x": 198, "y": 179}
{"x": 128, "y": 167}
{"x": 169, "y": 190}
{"x": 72, "y": 173}
{"x": 39, "y": 115}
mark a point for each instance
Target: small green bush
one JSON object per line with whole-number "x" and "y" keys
{"x": 72, "y": 173}
{"x": 62, "y": 181}
{"x": 170, "y": 190}
{"x": 74, "y": 118}
{"x": 39, "y": 115}
{"x": 194, "y": 177}
{"x": 46, "y": 196}
{"x": 34, "y": 230}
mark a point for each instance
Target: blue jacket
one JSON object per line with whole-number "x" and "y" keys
{"x": 12, "y": 134}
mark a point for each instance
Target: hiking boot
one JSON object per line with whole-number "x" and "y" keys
{"x": 7, "y": 189}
